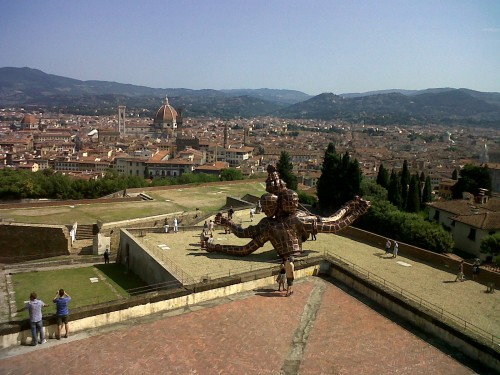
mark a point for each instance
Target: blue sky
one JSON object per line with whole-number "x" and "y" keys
{"x": 318, "y": 46}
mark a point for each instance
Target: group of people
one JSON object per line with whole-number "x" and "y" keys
{"x": 175, "y": 223}
{"x": 395, "y": 248}
{"x": 286, "y": 273}
{"x": 34, "y": 307}
{"x": 475, "y": 270}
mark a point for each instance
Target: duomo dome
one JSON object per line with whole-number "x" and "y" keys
{"x": 166, "y": 115}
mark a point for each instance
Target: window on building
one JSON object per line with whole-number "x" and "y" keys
{"x": 472, "y": 234}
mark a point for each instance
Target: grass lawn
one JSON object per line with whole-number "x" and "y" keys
{"x": 76, "y": 282}
{"x": 208, "y": 198}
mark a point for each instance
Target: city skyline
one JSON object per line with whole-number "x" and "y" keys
{"x": 313, "y": 47}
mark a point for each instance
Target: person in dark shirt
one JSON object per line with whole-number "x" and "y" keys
{"x": 62, "y": 300}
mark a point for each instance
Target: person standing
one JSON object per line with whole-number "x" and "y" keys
{"x": 166, "y": 226}
{"x": 34, "y": 307}
{"x": 395, "y": 250}
{"x": 388, "y": 245}
{"x": 252, "y": 212}
{"x": 290, "y": 275}
{"x": 211, "y": 227}
{"x": 62, "y": 300}
{"x": 176, "y": 225}
{"x": 106, "y": 256}
{"x": 281, "y": 276}
{"x": 460, "y": 274}
{"x": 475, "y": 268}
{"x": 314, "y": 230}
{"x": 230, "y": 213}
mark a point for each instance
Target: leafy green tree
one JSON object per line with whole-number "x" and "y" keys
{"x": 427, "y": 192}
{"x": 231, "y": 174}
{"x": 394, "y": 190}
{"x": 413, "y": 200}
{"x": 471, "y": 179}
{"x": 405, "y": 182}
{"x": 372, "y": 191}
{"x": 285, "y": 169}
{"x": 305, "y": 198}
{"x": 491, "y": 244}
{"x": 383, "y": 178}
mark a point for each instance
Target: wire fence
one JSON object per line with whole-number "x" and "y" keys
{"x": 437, "y": 310}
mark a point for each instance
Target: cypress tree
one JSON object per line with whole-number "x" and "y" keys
{"x": 427, "y": 192}
{"x": 413, "y": 199}
{"x": 340, "y": 180}
{"x": 285, "y": 169}
{"x": 394, "y": 190}
{"x": 326, "y": 181}
{"x": 405, "y": 181}
{"x": 383, "y": 177}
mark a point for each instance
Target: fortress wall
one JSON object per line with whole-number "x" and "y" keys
{"x": 23, "y": 242}
{"x": 437, "y": 260}
{"x": 139, "y": 261}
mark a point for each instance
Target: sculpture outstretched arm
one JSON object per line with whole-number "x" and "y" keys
{"x": 248, "y": 232}
{"x": 249, "y": 248}
{"x": 355, "y": 209}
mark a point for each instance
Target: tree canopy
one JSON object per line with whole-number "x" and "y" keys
{"x": 471, "y": 179}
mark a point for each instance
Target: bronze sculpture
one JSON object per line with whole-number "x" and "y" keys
{"x": 285, "y": 225}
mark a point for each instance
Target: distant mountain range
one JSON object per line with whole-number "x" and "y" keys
{"x": 35, "y": 89}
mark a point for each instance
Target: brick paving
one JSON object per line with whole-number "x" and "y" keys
{"x": 318, "y": 330}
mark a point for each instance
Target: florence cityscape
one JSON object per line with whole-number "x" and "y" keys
{"x": 126, "y": 129}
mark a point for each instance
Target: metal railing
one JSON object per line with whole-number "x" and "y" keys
{"x": 437, "y": 310}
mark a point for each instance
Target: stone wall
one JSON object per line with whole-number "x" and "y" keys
{"x": 23, "y": 242}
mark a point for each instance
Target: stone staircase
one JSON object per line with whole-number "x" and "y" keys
{"x": 85, "y": 231}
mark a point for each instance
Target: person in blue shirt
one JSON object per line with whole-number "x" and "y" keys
{"x": 34, "y": 307}
{"x": 62, "y": 312}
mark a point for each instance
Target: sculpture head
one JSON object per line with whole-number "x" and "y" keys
{"x": 289, "y": 201}
{"x": 269, "y": 203}
{"x": 274, "y": 184}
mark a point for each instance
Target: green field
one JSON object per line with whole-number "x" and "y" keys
{"x": 207, "y": 198}
{"x": 112, "y": 285}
